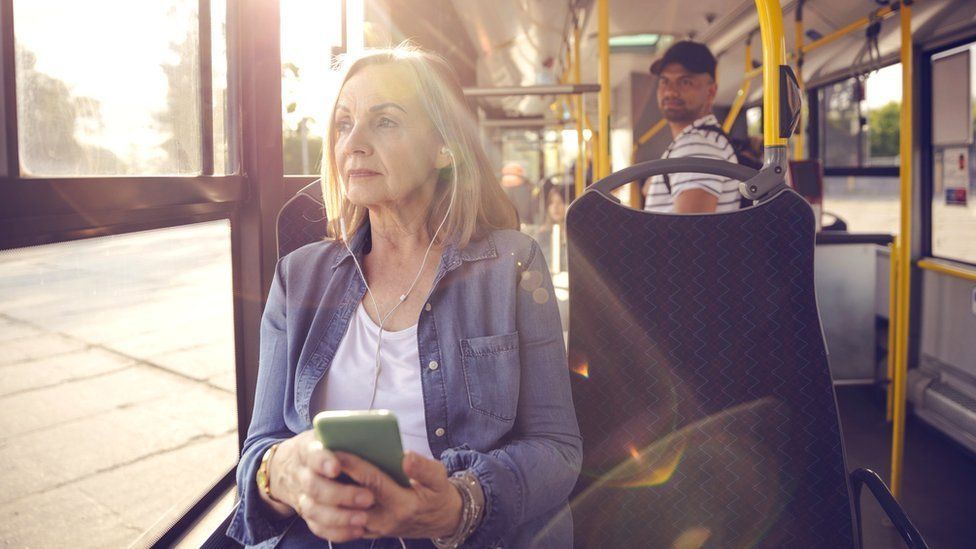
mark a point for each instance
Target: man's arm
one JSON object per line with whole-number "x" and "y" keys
{"x": 695, "y": 201}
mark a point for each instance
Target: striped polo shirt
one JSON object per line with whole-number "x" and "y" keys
{"x": 698, "y": 142}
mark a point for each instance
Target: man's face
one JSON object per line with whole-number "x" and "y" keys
{"x": 684, "y": 96}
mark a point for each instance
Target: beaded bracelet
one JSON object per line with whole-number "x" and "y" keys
{"x": 472, "y": 509}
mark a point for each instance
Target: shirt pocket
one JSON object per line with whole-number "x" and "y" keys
{"x": 491, "y": 374}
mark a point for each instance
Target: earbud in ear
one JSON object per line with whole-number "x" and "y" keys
{"x": 445, "y": 150}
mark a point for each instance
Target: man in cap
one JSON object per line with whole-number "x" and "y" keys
{"x": 685, "y": 94}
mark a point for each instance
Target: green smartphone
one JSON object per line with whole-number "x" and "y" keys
{"x": 373, "y": 435}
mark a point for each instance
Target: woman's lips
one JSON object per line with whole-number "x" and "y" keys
{"x": 362, "y": 173}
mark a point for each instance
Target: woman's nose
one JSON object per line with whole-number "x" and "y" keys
{"x": 356, "y": 142}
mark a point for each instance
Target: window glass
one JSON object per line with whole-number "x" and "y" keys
{"x": 108, "y": 88}
{"x": 860, "y": 121}
{"x": 866, "y": 204}
{"x": 223, "y": 163}
{"x": 118, "y": 384}
{"x": 954, "y": 188}
{"x": 311, "y": 32}
{"x": 754, "y": 122}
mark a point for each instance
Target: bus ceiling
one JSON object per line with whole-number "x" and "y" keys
{"x": 534, "y": 50}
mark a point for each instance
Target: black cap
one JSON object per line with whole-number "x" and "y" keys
{"x": 693, "y": 56}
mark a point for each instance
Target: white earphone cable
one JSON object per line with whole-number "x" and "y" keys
{"x": 416, "y": 279}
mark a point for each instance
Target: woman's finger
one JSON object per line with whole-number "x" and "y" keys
{"x": 321, "y": 460}
{"x": 428, "y": 473}
{"x": 327, "y": 516}
{"x": 336, "y": 534}
{"x": 328, "y": 492}
{"x": 366, "y": 474}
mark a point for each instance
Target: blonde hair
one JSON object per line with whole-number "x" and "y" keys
{"x": 480, "y": 204}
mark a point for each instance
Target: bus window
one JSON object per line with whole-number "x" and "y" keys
{"x": 118, "y": 384}
{"x": 87, "y": 106}
{"x": 859, "y": 129}
{"x": 311, "y": 30}
{"x": 953, "y": 203}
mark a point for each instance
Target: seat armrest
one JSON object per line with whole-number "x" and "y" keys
{"x": 895, "y": 512}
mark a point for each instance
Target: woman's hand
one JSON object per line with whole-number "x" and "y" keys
{"x": 303, "y": 476}
{"x": 429, "y": 508}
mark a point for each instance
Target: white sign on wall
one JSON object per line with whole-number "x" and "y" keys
{"x": 955, "y": 174}
{"x": 952, "y": 115}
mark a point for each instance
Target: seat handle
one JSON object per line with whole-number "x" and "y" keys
{"x": 754, "y": 184}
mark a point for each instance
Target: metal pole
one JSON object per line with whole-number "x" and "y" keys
{"x": 904, "y": 255}
{"x": 556, "y": 89}
{"x": 603, "y": 144}
{"x": 581, "y": 153}
{"x": 771, "y": 30}
{"x": 798, "y": 149}
{"x": 740, "y": 98}
{"x": 880, "y": 13}
{"x": 892, "y": 324}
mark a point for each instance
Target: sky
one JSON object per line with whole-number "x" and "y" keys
{"x": 883, "y": 87}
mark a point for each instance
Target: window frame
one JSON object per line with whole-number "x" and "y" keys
{"x": 926, "y": 193}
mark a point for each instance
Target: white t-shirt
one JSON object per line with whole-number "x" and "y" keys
{"x": 703, "y": 143}
{"x": 348, "y": 385}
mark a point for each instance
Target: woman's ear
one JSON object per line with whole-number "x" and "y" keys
{"x": 444, "y": 157}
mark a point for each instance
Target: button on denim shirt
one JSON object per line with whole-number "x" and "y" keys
{"x": 499, "y": 404}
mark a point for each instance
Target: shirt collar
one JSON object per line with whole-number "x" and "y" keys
{"x": 708, "y": 119}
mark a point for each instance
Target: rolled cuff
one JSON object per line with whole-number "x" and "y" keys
{"x": 254, "y": 522}
{"x": 502, "y": 491}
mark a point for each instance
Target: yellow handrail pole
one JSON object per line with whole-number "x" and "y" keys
{"x": 580, "y": 154}
{"x": 604, "y": 104}
{"x": 958, "y": 272}
{"x": 754, "y": 72}
{"x": 904, "y": 255}
{"x": 774, "y": 56}
{"x": 658, "y": 126}
{"x": 740, "y": 98}
{"x": 892, "y": 324}
{"x": 798, "y": 149}
{"x": 856, "y": 25}
{"x": 882, "y": 13}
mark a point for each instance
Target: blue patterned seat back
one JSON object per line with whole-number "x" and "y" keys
{"x": 701, "y": 381}
{"x": 302, "y": 219}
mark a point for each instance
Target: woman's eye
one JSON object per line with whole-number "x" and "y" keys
{"x": 387, "y": 122}
{"x": 342, "y": 126}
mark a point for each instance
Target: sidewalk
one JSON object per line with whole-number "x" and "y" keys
{"x": 116, "y": 384}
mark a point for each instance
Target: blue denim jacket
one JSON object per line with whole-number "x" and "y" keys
{"x": 501, "y": 393}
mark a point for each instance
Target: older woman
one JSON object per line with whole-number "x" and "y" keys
{"x": 425, "y": 302}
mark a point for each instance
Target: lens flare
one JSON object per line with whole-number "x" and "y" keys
{"x": 721, "y": 481}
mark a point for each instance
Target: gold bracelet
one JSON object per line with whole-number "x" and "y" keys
{"x": 264, "y": 472}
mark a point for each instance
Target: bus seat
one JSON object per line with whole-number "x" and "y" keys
{"x": 302, "y": 219}
{"x": 701, "y": 383}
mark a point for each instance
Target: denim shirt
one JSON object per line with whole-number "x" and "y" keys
{"x": 498, "y": 404}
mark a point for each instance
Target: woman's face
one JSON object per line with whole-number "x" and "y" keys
{"x": 387, "y": 152}
{"x": 556, "y": 206}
